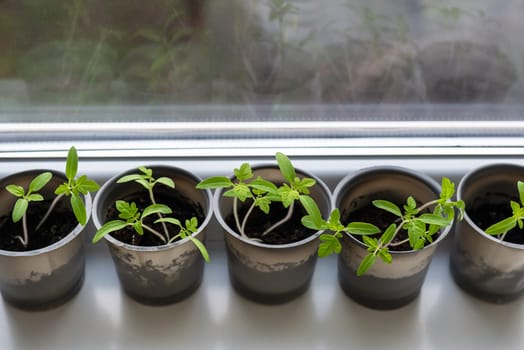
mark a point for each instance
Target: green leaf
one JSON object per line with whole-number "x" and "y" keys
{"x": 137, "y": 226}
{"x": 171, "y": 221}
{"x": 433, "y": 219}
{"x": 144, "y": 183}
{"x": 412, "y": 204}
{"x": 311, "y": 208}
{"x": 502, "y": 226}
{"x": 371, "y": 243}
{"x": 129, "y": 178}
{"x": 263, "y": 203}
{"x": 244, "y": 173}
{"x": 416, "y": 230}
{"x": 307, "y": 182}
{"x": 520, "y": 186}
{"x": 156, "y": 209}
{"x": 385, "y": 255}
{"x": 388, "y": 235}
{"x": 288, "y": 195}
{"x": 334, "y": 220}
{"x": 63, "y": 189}
{"x": 362, "y": 228}
{"x": 263, "y": 185}
{"x": 192, "y": 225}
{"x": 200, "y": 247}
{"x": 40, "y": 181}
{"x": 286, "y": 168}
{"x": 166, "y": 181}
{"x": 215, "y": 182}
{"x": 35, "y": 197}
{"x": 85, "y": 185}
{"x": 329, "y": 245}
{"x": 77, "y": 203}
{"x": 19, "y": 209}
{"x": 365, "y": 264}
{"x": 15, "y": 190}
{"x": 241, "y": 191}
{"x": 387, "y": 206}
{"x": 109, "y": 227}
{"x": 448, "y": 189}
{"x": 311, "y": 223}
{"x": 71, "y": 163}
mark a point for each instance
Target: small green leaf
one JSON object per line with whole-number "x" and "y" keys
{"x": 129, "y": 178}
{"x": 311, "y": 208}
{"x": 387, "y": 206}
{"x": 448, "y": 189}
{"x": 412, "y": 204}
{"x": 241, "y": 191}
{"x": 362, "y": 228}
{"x": 309, "y": 222}
{"x": 109, "y": 227}
{"x": 520, "y": 186}
{"x": 215, "y": 182}
{"x": 502, "y": 226}
{"x": 388, "y": 235}
{"x": 263, "y": 203}
{"x": 192, "y": 225}
{"x": 15, "y": 190}
{"x": 371, "y": 243}
{"x": 286, "y": 168}
{"x": 385, "y": 255}
{"x": 200, "y": 247}
{"x": 263, "y": 185}
{"x": 329, "y": 245}
{"x": 137, "y": 226}
{"x": 366, "y": 263}
{"x": 244, "y": 173}
{"x": 40, "y": 181}
{"x": 63, "y": 189}
{"x": 156, "y": 209}
{"x": 19, "y": 209}
{"x": 288, "y": 195}
{"x": 71, "y": 163}
{"x": 85, "y": 185}
{"x": 171, "y": 221}
{"x": 35, "y": 197}
{"x": 432, "y": 219}
{"x": 77, "y": 203}
{"x": 166, "y": 181}
{"x": 307, "y": 182}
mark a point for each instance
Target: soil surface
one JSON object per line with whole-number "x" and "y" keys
{"x": 182, "y": 207}
{"x": 382, "y": 219}
{"x": 487, "y": 213}
{"x": 289, "y": 232}
{"x": 58, "y": 225}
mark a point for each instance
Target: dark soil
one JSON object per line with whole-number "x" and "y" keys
{"x": 258, "y": 222}
{"x": 58, "y": 225}
{"x": 182, "y": 207}
{"x": 382, "y": 219}
{"x": 493, "y": 209}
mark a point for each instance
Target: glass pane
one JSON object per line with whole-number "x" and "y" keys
{"x": 95, "y": 53}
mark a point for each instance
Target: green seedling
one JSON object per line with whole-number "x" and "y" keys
{"x": 261, "y": 192}
{"x": 420, "y": 225}
{"x": 73, "y": 188}
{"x": 131, "y": 217}
{"x": 502, "y": 227}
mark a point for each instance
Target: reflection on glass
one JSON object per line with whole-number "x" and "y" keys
{"x": 122, "y": 52}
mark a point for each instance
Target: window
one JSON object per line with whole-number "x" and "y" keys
{"x": 336, "y": 72}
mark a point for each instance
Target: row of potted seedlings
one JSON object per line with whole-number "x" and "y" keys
{"x": 384, "y": 222}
